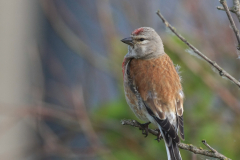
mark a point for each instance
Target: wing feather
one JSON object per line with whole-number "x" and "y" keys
{"x": 154, "y": 94}
{"x": 179, "y": 114}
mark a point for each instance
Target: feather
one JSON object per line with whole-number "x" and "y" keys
{"x": 165, "y": 126}
{"x": 180, "y": 126}
{"x": 171, "y": 147}
{"x": 158, "y": 108}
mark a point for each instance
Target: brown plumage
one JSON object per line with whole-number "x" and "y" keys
{"x": 153, "y": 87}
{"x": 157, "y": 77}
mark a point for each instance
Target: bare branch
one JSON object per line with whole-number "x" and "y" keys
{"x": 236, "y": 31}
{"x": 222, "y": 72}
{"x": 209, "y": 79}
{"x": 222, "y": 9}
{"x": 207, "y": 145}
{"x": 189, "y": 147}
{"x": 235, "y": 9}
{"x": 137, "y": 124}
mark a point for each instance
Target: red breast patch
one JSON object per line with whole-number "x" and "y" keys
{"x": 137, "y": 31}
{"x": 123, "y": 66}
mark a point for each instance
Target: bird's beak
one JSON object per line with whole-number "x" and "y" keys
{"x": 128, "y": 41}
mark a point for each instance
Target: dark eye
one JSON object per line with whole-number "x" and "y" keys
{"x": 141, "y": 39}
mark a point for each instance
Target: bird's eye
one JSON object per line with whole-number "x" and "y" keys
{"x": 141, "y": 39}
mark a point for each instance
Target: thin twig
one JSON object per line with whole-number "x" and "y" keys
{"x": 235, "y": 8}
{"x": 209, "y": 79}
{"x": 222, "y": 72}
{"x": 136, "y": 124}
{"x": 236, "y": 31}
{"x": 207, "y": 145}
{"x": 189, "y": 147}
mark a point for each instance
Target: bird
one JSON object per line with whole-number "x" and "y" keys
{"x": 152, "y": 87}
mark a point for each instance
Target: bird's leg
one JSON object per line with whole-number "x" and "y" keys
{"x": 144, "y": 128}
{"x": 159, "y": 136}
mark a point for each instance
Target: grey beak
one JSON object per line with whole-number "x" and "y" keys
{"x": 128, "y": 41}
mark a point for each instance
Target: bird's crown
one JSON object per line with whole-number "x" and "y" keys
{"x": 142, "y": 30}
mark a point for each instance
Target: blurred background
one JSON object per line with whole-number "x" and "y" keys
{"x": 61, "y": 92}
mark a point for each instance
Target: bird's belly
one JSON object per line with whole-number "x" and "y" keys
{"x": 140, "y": 111}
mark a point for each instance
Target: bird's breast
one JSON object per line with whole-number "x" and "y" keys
{"x": 156, "y": 77}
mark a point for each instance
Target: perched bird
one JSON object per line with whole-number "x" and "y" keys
{"x": 153, "y": 87}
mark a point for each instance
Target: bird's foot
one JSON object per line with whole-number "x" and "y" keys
{"x": 159, "y": 136}
{"x": 144, "y": 128}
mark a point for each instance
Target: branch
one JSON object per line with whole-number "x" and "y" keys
{"x": 86, "y": 124}
{"x": 209, "y": 79}
{"x": 235, "y": 9}
{"x": 189, "y": 147}
{"x": 75, "y": 43}
{"x": 224, "y": 3}
{"x": 222, "y": 72}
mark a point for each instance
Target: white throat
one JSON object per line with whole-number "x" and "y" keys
{"x": 132, "y": 53}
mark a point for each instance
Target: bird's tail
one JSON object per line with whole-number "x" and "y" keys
{"x": 171, "y": 147}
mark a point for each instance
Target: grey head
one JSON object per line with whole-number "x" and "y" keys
{"x": 144, "y": 43}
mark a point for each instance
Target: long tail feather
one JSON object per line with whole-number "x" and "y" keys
{"x": 171, "y": 147}
{"x": 169, "y": 135}
{"x": 174, "y": 151}
{"x": 180, "y": 125}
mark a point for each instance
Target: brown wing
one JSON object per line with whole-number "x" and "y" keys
{"x": 157, "y": 79}
{"x": 180, "y": 118}
{"x": 158, "y": 84}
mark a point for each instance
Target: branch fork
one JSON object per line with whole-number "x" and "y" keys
{"x": 221, "y": 71}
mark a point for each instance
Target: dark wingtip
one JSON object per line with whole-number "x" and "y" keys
{"x": 181, "y": 128}
{"x": 174, "y": 152}
{"x": 168, "y": 128}
{"x": 182, "y": 137}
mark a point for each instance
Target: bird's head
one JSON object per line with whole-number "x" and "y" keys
{"x": 144, "y": 43}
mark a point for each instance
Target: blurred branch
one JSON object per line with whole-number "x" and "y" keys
{"x": 236, "y": 31}
{"x": 52, "y": 143}
{"x": 75, "y": 43}
{"x": 214, "y": 64}
{"x": 86, "y": 125}
{"x": 227, "y": 96}
{"x": 107, "y": 24}
{"x": 76, "y": 120}
{"x": 189, "y": 147}
{"x": 235, "y": 9}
